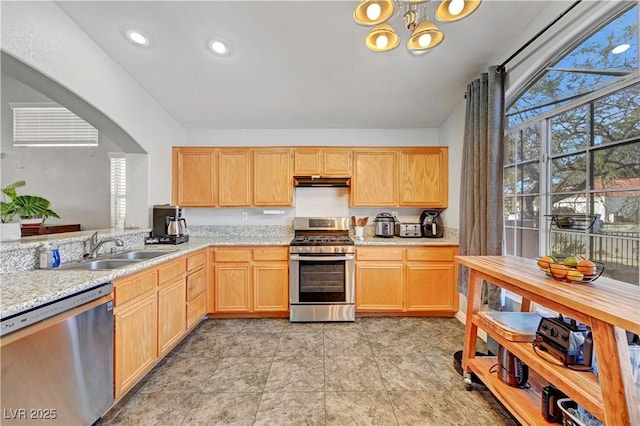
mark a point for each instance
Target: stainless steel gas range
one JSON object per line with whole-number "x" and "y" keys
{"x": 322, "y": 270}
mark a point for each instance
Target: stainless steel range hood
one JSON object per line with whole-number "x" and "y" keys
{"x": 321, "y": 181}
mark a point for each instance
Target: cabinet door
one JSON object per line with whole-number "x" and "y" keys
{"x": 135, "y": 350}
{"x": 172, "y": 314}
{"x": 379, "y": 287}
{"x": 307, "y": 161}
{"x": 431, "y": 287}
{"x": 374, "y": 178}
{"x": 337, "y": 162}
{"x": 424, "y": 177}
{"x": 194, "y": 177}
{"x": 272, "y": 177}
{"x": 271, "y": 286}
{"x": 234, "y": 177}
{"x": 231, "y": 287}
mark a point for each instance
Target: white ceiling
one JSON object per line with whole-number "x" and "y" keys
{"x": 296, "y": 64}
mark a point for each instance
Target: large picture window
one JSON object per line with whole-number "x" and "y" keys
{"x": 573, "y": 151}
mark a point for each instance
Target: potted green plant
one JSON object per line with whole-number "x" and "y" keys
{"x": 30, "y": 208}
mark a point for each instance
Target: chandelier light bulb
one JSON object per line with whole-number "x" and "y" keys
{"x": 382, "y": 41}
{"x": 424, "y": 40}
{"x": 620, "y": 48}
{"x": 373, "y": 11}
{"x": 456, "y": 6}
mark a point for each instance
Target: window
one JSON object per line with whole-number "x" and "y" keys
{"x": 118, "y": 191}
{"x": 38, "y": 125}
{"x": 573, "y": 148}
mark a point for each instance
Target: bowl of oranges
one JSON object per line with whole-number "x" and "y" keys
{"x": 572, "y": 269}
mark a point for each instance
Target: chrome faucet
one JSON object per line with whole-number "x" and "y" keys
{"x": 95, "y": 244}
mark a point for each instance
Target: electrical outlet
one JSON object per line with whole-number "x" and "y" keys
{"x": 394, "y": 214}
{"x": 245, "y": 216}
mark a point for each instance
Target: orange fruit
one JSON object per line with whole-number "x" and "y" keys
{"x": 587, "y": 267}
{"x": 545, "y": 261}
{"x": 574, "y": 275}
{"x": 559, "y": 271}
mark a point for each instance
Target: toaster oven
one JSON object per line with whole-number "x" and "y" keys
{"x": 408, "y": 230}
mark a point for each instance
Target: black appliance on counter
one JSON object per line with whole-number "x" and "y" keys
{"x": 431, "y": 223}
{"x": 169, "y": 227}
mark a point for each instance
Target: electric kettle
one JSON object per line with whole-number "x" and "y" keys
{"x": 512, "y": 371}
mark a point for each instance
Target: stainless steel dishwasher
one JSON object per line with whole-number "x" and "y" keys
{"x": 57, "y": 361}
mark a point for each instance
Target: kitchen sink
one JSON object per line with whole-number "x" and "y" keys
{"x": 99, "y": 264}
{"x": 140, "y": 254}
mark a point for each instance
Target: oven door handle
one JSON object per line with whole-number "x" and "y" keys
{"x": 329, "y": 258}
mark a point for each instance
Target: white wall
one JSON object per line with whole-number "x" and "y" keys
{"x": 309, "y": 137}
{"x": 44, "y": 37}
{"x": 75, "y": 180}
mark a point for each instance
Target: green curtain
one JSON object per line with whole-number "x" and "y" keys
{"x": 481, "y": 212}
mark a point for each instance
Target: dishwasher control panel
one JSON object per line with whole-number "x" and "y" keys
{"x": 41, "y": 313}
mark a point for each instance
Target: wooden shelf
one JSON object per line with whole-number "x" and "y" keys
{"x": 582, "y": 386}
{"x": 525, "y": 404}
{"x": 608, "y": 307}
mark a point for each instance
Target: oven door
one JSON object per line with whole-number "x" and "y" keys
{"x": 322, "y": 278}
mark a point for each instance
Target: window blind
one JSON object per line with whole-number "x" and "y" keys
{"x": 118, "y": 165}
{"x": 50, "y": 125}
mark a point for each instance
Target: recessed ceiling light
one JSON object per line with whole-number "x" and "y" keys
{"x": 620, "y": 48}
{"x": 219, "y": 46}
{"x": 138, "y": 38}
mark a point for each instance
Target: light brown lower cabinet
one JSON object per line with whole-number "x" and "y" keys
{"x": 417, "y": 280}
{"x": 172, "y": 314}
{"x": 196, "y": 288}
{"x": 136, "y": 322}
{"x": 136, "y": 328}
{"x": 248, "y": 280}
{"x": 153, "y": 310}
{"x": 379, "y": 279}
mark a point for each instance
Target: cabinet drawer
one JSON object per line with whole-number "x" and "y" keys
{"x": 131, "y": 287}
{"x": 196, "y": 260}
{"x": 196, "y": 284}
{"x": 431, "y": 254}
{"x": 379, "y": 253}
{"x": 196, "y": 309}
{"x": 171, "y": 270}
{"x": 233, "y": 255}
{"x": 271, "y": 253}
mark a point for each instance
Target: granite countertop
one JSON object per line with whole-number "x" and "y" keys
{"x": 21, "y": 291}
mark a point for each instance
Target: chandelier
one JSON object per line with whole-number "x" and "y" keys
{"x": 425, "y": 34}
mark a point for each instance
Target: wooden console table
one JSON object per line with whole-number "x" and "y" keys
{"x": 607, "y": 306}
{"x": 28, "y": 231}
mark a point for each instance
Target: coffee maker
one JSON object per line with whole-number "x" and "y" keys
{"x": 169, "y": 227}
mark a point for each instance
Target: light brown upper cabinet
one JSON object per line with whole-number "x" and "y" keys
{"x": 194, "y": 177}
{"x": 234, "y": 177}
{"x": 272, "y": 177}
{"x": 423, "y": 177}
{"x": 374, "y": 178}
{"x": 322, "y": 161}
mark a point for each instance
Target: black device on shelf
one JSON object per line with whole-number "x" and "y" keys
{"x": 555, "y": 335}
{"x": 550, "y": 409}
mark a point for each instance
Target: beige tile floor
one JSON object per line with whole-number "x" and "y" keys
{"x": 375, "y": 371}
